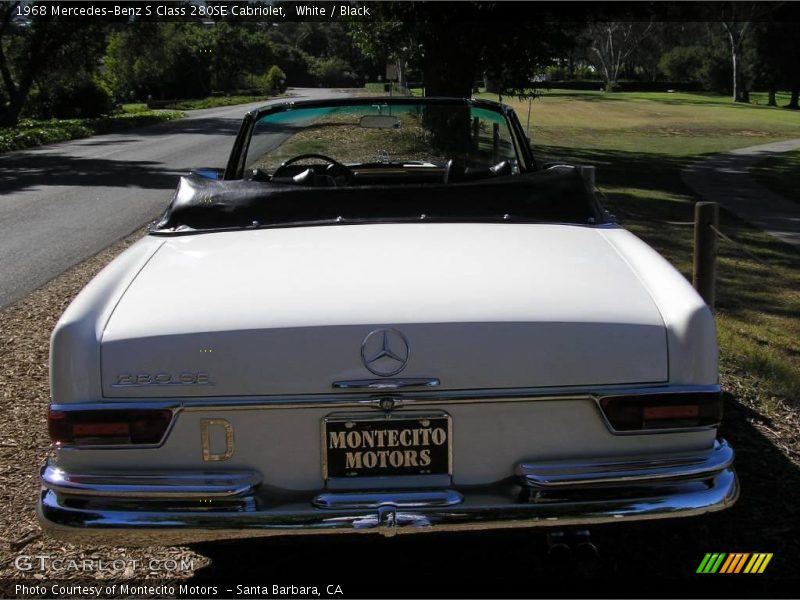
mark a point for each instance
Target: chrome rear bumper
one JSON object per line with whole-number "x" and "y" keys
{"x": 168, "y": 508}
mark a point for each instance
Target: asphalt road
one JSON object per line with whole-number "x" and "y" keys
{"x": 62, "y": 203}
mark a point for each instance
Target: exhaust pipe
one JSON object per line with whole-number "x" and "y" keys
{"x": 585, "y": 548}
{"x": 561, "y": 546}
{"x": 557, "y": 547}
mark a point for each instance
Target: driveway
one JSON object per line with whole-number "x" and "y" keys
{"x": 62, "y": 203}
{"x": 725, "y": 179}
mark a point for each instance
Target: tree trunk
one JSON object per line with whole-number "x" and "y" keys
{"x": 401, "y": 75}
{"x": 771, "y": 95}
{"x": 17, "y": 102}
{"x": 448, "y": 71}
{"x": 793, "y": 101}
{"x": 738, "y": 87}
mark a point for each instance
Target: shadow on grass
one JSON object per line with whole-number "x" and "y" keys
{"x": 744, "y": 284}
{"x": 761, "y": 521}
{"x": 621, "y": 169}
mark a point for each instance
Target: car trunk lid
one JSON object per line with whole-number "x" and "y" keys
{"x": 286, "y": 311}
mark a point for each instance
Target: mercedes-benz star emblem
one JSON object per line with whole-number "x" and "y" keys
{"x": 385, "y": 352}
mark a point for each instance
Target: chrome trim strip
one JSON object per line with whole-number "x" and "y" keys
{"x": 152, "y": 485}
{"x": 354, "y": 399}
{"x": 631, "y": 471}
{"x": 399, "y": 499}
{"x": 386, "y": 384}
{"x": 485, "y": 509}
{"x": 421, "y": 399}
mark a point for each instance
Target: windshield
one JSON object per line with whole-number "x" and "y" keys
{"x": 379, "y": 160}
{"x": 364, "y": 135}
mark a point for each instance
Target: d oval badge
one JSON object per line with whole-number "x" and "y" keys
{"x": 385, "y": 352}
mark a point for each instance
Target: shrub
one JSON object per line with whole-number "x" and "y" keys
{"x": 271, "y": 82}
{"x": 275, "y": 81}
{"x": 295, "y": 63}
{"x": 29, "y": 133}
{"x": 333, "y": 71}
{"x": 84, "y": 98}
{"x": 682, "y": 63}
{"x": 711, "y": 67}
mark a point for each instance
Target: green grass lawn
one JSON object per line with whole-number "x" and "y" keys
{"x": 639, "y": 143}
{"x": 780, "y": 173}
{"x": 679, "y": 124}
{"x": 374, "y": 87}
{"x": 134, "y": 107}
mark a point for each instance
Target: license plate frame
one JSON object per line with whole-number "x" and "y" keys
{"x": 335, "y": 465}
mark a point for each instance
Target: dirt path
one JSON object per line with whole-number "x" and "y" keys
{"x": 725, "y": 178}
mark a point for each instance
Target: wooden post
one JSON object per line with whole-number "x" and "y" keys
{"x": 706, "y": 216}
{"x": 587, "y": 172}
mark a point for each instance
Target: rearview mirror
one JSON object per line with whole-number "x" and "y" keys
{"x": 379, "y": 122}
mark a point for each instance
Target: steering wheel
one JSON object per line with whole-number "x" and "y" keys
{"x": 335, "y": 166}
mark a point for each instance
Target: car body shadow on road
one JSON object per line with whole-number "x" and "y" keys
{"x": 57, "y": 169}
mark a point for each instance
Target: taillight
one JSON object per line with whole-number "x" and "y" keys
{"x": 662, "y": 411}
{"x": 107, "y": 427}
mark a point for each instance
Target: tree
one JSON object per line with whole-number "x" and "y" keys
{"x": 776, "y": 57}
{"x": 40, "y": 46}
{"x": 682, "y": 63}
{"x": 737, "y": 22}
{"x": 453, "y": 51}
{"x": 159, "y": 59}
{"x": 236, "y": 50}
{"x": 611, "y": 45}
{"x": 646, "y": 60}
{"x": 332, "y": 71}
{"x": 737, "y": 32}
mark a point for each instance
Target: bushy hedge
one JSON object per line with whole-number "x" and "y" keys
{"x": 275, "y": 80}
{"x": 272, "y": 82}
{"x": 81, "y": 98}
{"x": 30, "y": 133}
{"x": 334, "y": 71}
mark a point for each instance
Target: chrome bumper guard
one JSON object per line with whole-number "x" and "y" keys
{"x": 170, "y": 508}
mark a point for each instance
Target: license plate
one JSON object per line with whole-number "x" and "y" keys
{"x": 378, "y": 446}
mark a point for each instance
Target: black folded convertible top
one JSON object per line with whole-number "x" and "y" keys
{"x": 554, "y": 195}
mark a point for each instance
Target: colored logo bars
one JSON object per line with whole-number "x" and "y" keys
{"x": 738, "y": 562}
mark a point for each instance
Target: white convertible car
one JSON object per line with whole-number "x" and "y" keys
{"x": 383, "y": 316}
